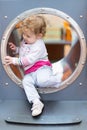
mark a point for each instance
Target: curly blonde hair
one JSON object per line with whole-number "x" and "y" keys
{"x": 36, "y": 24}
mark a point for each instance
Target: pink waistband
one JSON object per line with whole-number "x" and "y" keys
{"x": 37, "y": 65}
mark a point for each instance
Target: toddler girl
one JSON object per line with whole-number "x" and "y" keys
{"x": 33, "y": 57}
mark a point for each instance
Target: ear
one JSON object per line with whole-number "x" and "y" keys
{"x": 39, "y": 35}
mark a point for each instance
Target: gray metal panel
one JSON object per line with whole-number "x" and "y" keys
{"x": 13, "y": 98}
{"x": 59, "y": 109}
{"x": 12, "y": 8}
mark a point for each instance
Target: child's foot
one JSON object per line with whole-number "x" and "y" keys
{"x": 59, "y": 80}
{"x": 37, "y": 108}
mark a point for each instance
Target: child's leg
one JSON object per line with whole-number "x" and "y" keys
{"x": 32, "y": 95}
{"x": 29, "y": 88}
{"x": 45, "y": 77}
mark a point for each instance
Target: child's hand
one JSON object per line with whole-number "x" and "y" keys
{"x": 8, "y": 60}
{"x": 12, "y": 46}
{"x": 12, "y": 60}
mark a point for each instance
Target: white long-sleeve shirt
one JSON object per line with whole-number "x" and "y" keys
{"x": 31, "y": 54}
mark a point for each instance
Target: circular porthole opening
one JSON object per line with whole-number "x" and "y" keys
{"x": 64, "y": 41}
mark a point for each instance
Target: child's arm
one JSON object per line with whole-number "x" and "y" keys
{"x": 12, "y": 60}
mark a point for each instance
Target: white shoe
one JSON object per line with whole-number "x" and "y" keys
{"x": 37, "y": 108}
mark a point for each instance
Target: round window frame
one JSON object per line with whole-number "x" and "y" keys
{"x": 50, "y": 11}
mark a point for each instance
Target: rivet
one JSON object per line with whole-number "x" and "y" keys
{"x": 42, "y": 10}
{"x": 9, "y": 118}
{"x": 83, "y": 38}
{"x": 3, "y": 38}
{"x": 67, "y": 17}
{"x": 77, "y": 119}
{"x": 5, "y": 16}
{"x": 81, "y": 16}
{"x": 6, "y": 84}
{"x": 83, "y": 63}
{"x": 19, "y": 83}
{"x": 80, "y": 84}
{"x": 18, "y": 17}
{"x": 67, "y": 83}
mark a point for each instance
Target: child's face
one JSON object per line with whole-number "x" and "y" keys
{"x": 29, "y": 37}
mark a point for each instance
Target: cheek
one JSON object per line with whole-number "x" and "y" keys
{"x": 32, "y": 39}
